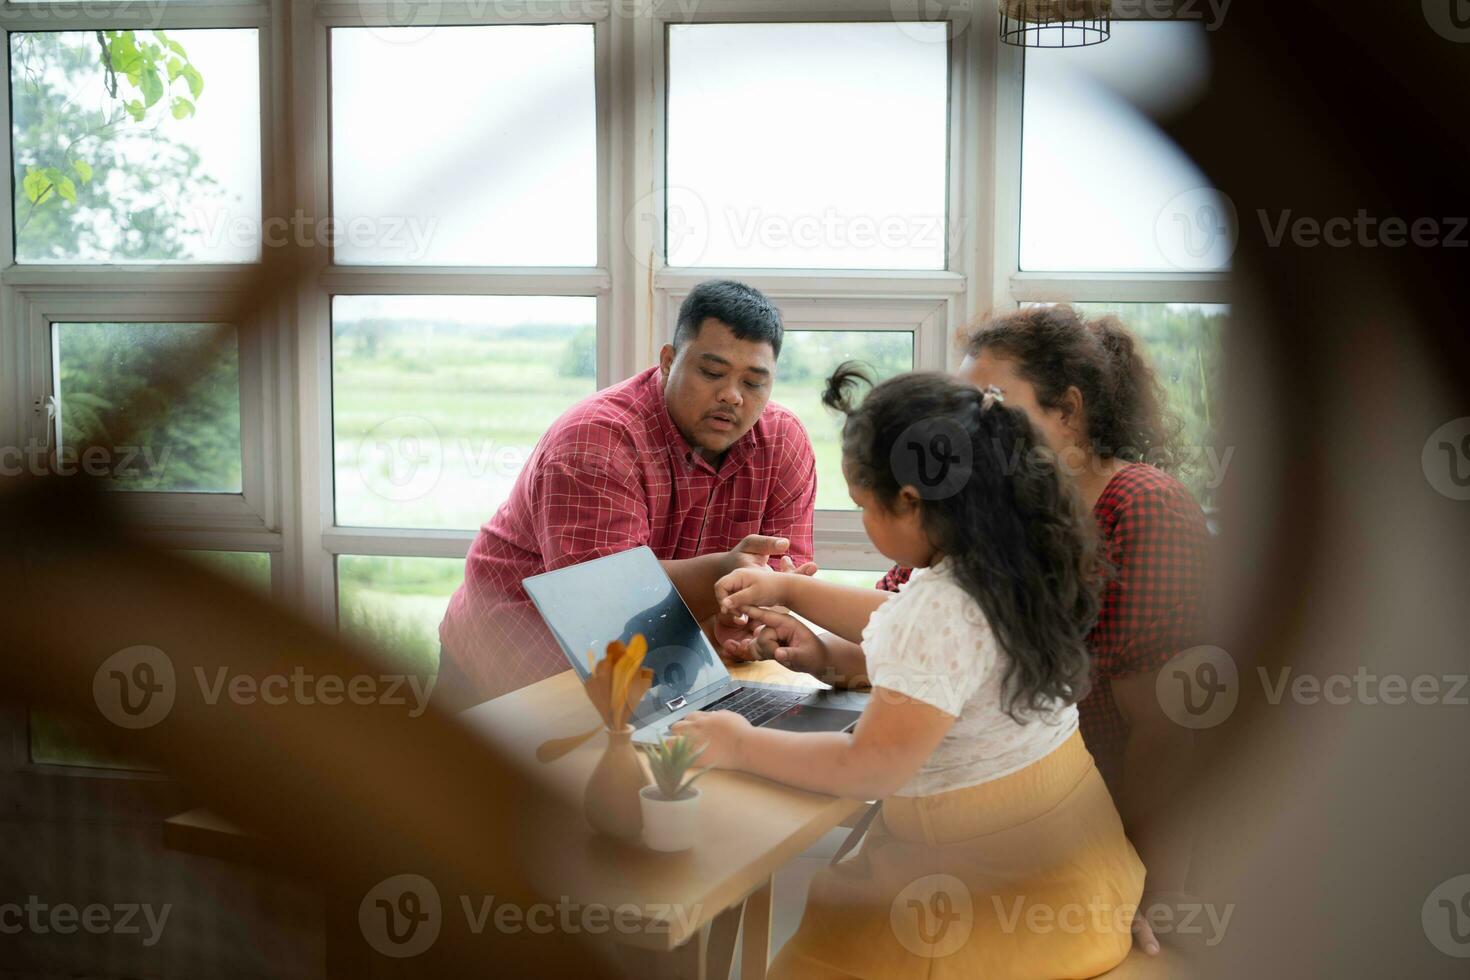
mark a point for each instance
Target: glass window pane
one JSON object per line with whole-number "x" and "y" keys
{"x": 1184, "y": 344}
{"x": 808, "y": 357}
{"x": 438, "y": 401}
{"x": 854, "y": 578}
{"x": 136, "y": 146}
{"x": 248, "y": 568}
{"x": 63, "y": 740}
{"x": 59, "y": 739}
{"x": 1102, "y": 188}
{"x": 396, "y": 604}
{"x": 492, "y": 158}
{"x": 808, "y": 145}
{"x": 126, "y": 412}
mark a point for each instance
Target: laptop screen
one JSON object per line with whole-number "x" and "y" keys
{"x": 589, "y": 605}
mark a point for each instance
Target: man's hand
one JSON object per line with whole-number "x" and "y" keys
{"x": 757, "y": 550}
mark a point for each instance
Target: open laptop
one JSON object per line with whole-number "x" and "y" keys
{"x": 587, "y": 606}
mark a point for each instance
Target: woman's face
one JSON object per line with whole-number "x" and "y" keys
{"x": 1051, "y": 424}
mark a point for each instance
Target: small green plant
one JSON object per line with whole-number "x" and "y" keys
{"x": 670, "y": 761}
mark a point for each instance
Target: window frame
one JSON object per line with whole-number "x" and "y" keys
{"x": 288, "y": 510}
{"x": 1021, "y": 287}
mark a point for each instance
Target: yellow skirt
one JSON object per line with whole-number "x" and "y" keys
{"x": 1026, "y": 876}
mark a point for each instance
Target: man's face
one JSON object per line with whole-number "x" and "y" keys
{"x": 716, "y": 386}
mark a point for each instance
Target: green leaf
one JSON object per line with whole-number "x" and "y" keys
{"x": 183, "y": 108}
{"x": 152, "y": 87}
{"x": 68, "y": 189}
{"x": 36, "y": 185}
{"x": 136, "y": 109}
{"x": 195, "y": 80}
{"x": 175, "y": 47}
{"x": 175, "y": 68}
{"x": 83, "y": 169}
{"x": 124, "y": 53}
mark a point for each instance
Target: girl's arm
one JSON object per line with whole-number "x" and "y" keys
{"x": 842, "y": 609}
{"x": 893, "y": 738}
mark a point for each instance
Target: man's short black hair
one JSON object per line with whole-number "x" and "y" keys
{"x": 746, "y": 311}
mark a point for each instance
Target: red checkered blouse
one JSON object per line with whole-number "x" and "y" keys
{"x": 611, "y": 474}
{"x": 1155, "y": 537}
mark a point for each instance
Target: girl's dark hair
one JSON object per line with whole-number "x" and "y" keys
{"x": 1055, "y": 348}
{"x": 1010, "y": 525}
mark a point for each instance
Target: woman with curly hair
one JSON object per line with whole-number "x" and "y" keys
{"x": 1094, "y": 400}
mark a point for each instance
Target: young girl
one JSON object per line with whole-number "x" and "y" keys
{"x": 998, "y": 852}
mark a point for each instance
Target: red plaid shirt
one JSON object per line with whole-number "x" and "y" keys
{"x": 1155, "y": 537}
{"x": 611, "y": 474}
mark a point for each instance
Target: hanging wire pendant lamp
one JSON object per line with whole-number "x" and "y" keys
{"x": 1055, "y": 23}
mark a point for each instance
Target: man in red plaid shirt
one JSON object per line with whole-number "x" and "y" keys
{"x": 688, "y": 458}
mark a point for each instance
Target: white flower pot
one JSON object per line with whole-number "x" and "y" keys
{"x": 669, "y": 825}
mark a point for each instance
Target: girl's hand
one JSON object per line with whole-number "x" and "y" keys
{"x": 788, "y": 641}
{"x": 747, "y": 587}
{"x": 721, "y": 732}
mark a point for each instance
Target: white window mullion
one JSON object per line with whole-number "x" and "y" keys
{"x": 1121, "y": 287}
{"x": 308, "y": 571}
{"x": 401, "y": 542}
{"x": 365, "y": 280}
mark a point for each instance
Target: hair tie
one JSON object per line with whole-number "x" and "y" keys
{"x": 991, "y": 395}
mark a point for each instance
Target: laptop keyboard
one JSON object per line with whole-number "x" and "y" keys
{"x": 755, "y": 704}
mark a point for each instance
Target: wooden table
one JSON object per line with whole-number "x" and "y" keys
{"x": 749, "y": 828}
